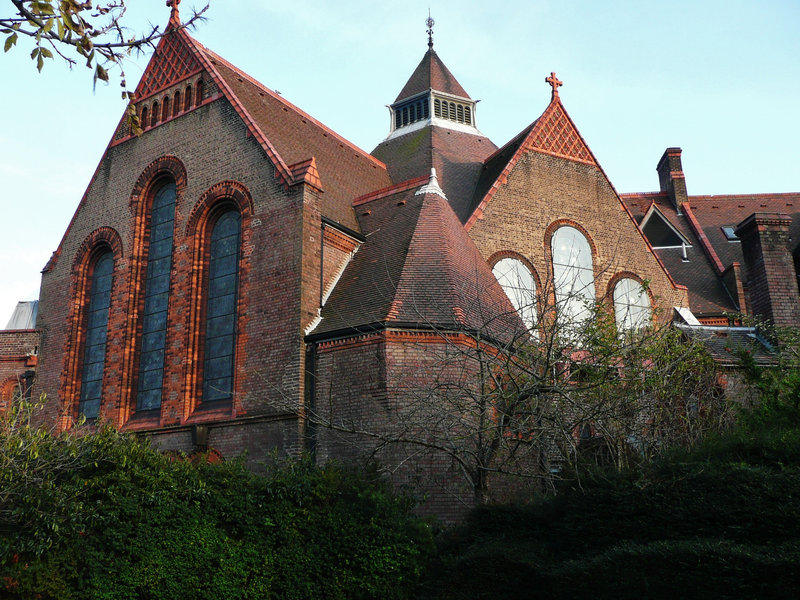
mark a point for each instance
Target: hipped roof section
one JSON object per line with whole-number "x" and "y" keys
{"x": 418, "y": 268}
{"x": 431, "y": 74}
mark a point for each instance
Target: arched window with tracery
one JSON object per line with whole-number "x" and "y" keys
{"x": 94, "y": 351}
{"x": 221, "y": 295}
{"x": 519, "y": 285}
{"x": 153, "y": 318}
{"x": 573, "y": 276}
{"x": 632, "y": 310}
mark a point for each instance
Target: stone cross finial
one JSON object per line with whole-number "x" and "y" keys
{"x": 554, "y": 83}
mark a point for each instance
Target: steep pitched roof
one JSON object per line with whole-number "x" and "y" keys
{"x": 707, "y": 294}
{"x": 715, "y": 212}
{"x": 457, "y": 157}
{"x": 431, "y": 73}
{"x": 418, "y": 267}
{"x": 289, "y": 136}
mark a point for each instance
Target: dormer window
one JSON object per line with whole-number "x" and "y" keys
{"x": 660, "y": 232}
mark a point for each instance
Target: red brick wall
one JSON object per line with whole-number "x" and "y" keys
{"x": 210, "y": 144}
{"x": 771, "y": 279}
{"x": 17, "y": 358}
{"x": 543, "y": 191}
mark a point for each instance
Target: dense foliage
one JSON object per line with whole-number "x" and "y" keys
{"x": 107, "y": 516}
{"x": 722, "y": 521}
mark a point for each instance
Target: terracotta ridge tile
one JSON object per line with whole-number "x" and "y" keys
{"x": 704, "y": 242}
{"x": 391, "y": 190}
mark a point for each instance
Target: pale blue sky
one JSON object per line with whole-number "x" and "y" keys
{"x": 721, "y": 79}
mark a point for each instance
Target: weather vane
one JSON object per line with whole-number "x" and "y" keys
{"x": 429, "y": 22}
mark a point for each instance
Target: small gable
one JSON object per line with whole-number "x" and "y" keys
{"x": 660, "y": 232}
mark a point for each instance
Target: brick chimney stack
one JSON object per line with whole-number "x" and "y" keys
{"x": 671, "y": 177}
{"x": 769, "y": 268}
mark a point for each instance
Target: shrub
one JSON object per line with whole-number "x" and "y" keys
{"x": 107, "y": 516}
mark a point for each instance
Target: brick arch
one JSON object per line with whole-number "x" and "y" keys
{"x": 608, "y": 298}
{"x": 540, "y": 291}
{"x": 213, "y": 202}
{"x": 223, "y": 192}
{"x": 7, "y": 391}
{"x": 103, "y": 238}
{"x": 558, "y": 224}
{"x": 164, "y": 169}
{"x": 161, "y": 168}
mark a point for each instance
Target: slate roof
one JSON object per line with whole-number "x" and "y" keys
{"x": 726, "y": 344}
{"x": 707, "y": 294}
{"x": 417, "y": 267}
{"x": 457, "y": 157}
{"x": 431, "y": 73}
{"x": 714, "y": 212}
{"x": 709, "y": 257}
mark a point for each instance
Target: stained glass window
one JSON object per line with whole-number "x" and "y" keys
{"x": 156, "y": 300}
{"x": 94, "y": 354}
{"x": 223, "y": 275}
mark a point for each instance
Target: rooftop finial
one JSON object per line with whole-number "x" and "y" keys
{"x": 174, "y": 16}
{"x": 554, "y": 83}
{"x": 430, "y": 22}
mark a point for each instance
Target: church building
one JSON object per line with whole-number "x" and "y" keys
{"x": 238, "y": 265}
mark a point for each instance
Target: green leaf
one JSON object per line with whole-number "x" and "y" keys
{"x": 39, "y": 63}
{"x": 10, "y": 41}
{"x": 60, "y": 23}
{"x": 46, "y": 53}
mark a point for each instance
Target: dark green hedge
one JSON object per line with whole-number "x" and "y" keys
{"x": 721, "y": 522}
{"x": 120, "y": 520}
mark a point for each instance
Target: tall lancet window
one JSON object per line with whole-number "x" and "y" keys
{"x": 573, "y": 276}
{"x": 220, "y": 326}
{"x": 94, "y": 354}
{"x": 156, "y": 300}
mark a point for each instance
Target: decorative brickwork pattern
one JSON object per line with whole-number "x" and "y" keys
{"x": 172, "y": 61}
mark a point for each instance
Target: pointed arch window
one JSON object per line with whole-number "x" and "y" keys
{"x": 519, "y": 285}
{"x": 176, "y": 104}
{"x": 221, "y": 296}
{"x": 94, "y": 353}
{"x": 156, "y": 299}
{"x": 631, "y": 306}
{"x": 573, "y": 276}
{"x": 187, "y": 102}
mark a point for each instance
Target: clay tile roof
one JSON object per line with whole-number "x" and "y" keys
{"x": 418, "y": 267}
{"x": 431, "y": 73}
{"x": 294, "y": 137}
